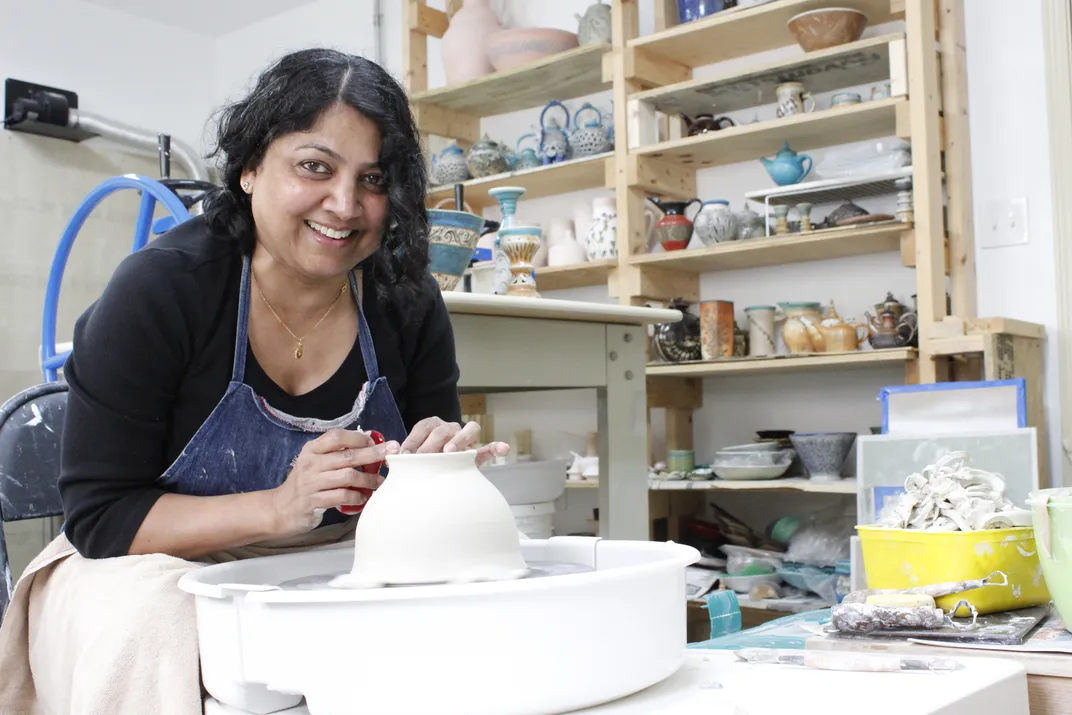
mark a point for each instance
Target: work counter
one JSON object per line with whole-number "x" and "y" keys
{"x": 510, "y": 344}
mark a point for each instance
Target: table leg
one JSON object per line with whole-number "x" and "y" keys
{"x": 623, "y": 438}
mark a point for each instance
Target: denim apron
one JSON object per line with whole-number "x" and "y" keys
{"x": 245, "y": 445}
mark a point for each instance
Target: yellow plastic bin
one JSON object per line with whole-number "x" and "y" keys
{"x": 905, "y": 558}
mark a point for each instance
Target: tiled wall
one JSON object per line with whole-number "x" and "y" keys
{"x": 43, "y": 182}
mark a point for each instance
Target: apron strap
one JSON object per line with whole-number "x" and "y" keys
{"x": 368, "y": 348}
{"x": 238, "y": 370}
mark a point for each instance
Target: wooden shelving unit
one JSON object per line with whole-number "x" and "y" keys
{"x": 793, "y": 484}
{"x": 653, "y": 83}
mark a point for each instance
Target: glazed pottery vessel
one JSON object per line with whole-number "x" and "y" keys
{"x": 844, "y": 99}
{"x": 595, "y": 27}
{"x": 601, "y": 242}
{"x": 881, "y": 90}
{"x": 519, "y": 244}
{"x": 787, "y": 167}
{"x": 689, "y": 10}
{"x": 680, "y": 460}
{"x": 823, "y": 453}
{"x": 760, "y": 330}
{"x": 520, "y": 46}
{"x": 793, "y": 99}
{"x": 838, "y": 335}
{"x": 795, "y": 333}
{"x": 507, "y": 196}
{"x": 452, "y": 237}
{"x": 463, "y": 47}
{"x": 554, "y": 139}
{"x": 527, "y": 157}
{"x": 716, "y": 329}
{"x": 674, "y": 229}
{"x": 750, "y": 224}
{"x": 715, "y": 223}
{"x": 449, "y": 167}
{"x": 588, "y": 137}
{"x": 704, "y": 123}
{"x": 487, "y": 158}
{"x": 678, "y": 341}
{"x": 829, "y": 27}
{"x": 435, "y": 519}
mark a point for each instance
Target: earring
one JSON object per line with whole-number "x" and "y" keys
{"x": 245, "y": 186}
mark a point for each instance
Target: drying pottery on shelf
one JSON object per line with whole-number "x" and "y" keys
{"x": 838, "y": 335}
{"x": 715, "y": 223}
{"x": 519, "y": 244}
{"x": 435, "y": 519}
{"x": 678, "y": 341}
{"x": 487, "y": 158}
{"x": 795, "y": 332}
{"x": 519, "y": 46}
{"x": 449, "y": 166}
{"x": 674, "y": 229}
{"x": 827, "y": 27}
{"x": 464, "y": 50}
{"x": 601, "y": 240}
{"x": 787, "y": 167}
{"x": 590, "y": 137}
{"x": 595, "y": 27}
{"x": 887, "y": 332}
{"x": 823, "y": 453}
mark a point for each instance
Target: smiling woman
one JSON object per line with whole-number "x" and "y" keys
{"x": 231, "y": 383}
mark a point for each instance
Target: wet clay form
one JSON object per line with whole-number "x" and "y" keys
{"x": 435, "y": 519}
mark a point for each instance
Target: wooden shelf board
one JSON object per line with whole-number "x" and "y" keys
{"x": 589, "y": 172}
{"x": 851, "y": 65}
{"x": 828, "y": 127}
{"x": 779, "y": 250}
{"x": 569, "y": 74}
{"x": 783, "y": 363}
{"x": 586, "y": 484}
{"x": 580, "y": 275}
{"x": 795, "y": 484}
{"x": 738, "y": 33}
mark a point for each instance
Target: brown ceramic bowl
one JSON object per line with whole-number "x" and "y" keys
{"x": 827, "y": 27}
{"x": 519, "y": 46}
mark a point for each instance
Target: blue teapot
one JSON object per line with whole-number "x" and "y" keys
{"x": 787, "y": 167}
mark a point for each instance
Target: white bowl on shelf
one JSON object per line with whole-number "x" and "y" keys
{"x": 529, "y": 482}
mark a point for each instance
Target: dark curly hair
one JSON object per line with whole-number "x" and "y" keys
{"x": 290, "y": 96}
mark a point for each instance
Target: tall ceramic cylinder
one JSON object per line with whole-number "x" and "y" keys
{"x": 716, "y": 329}
{"x": 760, "y": 330}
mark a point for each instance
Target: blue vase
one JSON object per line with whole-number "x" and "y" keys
{"x": 689, "y": 10}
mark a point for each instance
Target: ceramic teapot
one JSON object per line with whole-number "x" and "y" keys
{"x": 487, "y": 157}
{"x": 449, "y": 166}
{"x": 554, "y": 140}
{"x": 595, "y": 27}
{"x": 787, "y": 167}
{"x": 886, "y": 331}
{"x": 836, "y": 335}
{"x": 674, "y": 229}
{"x": 704, "y": 123}
{"x": 589, "y": 138}
{"x": 679, "y": 341}
{"x": 435, "y": 519}
{"x": 527, "y": 158}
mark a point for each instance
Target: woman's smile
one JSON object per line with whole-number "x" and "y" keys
{"x": 336, "y": 237}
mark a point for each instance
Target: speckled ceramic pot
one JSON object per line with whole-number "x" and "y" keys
{"x": 823, "y": 453}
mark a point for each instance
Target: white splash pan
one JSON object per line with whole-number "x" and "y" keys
{"x": 534, "y": 646}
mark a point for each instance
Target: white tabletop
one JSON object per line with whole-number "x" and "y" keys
{"x": 552, "y": 309}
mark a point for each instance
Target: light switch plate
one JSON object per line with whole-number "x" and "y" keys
{"x": 1004, "y": 223}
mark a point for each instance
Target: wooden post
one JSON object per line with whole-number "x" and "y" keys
{"x": 958, "y": 179}
{"x": 924, "y": 107}
{"x": 414, "y": 48}
{"x": 665, "y": 14}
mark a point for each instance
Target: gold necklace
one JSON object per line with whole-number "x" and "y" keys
{"x": 300, "y": 350}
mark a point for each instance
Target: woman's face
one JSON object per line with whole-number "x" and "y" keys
{"x": 319, "y": 197}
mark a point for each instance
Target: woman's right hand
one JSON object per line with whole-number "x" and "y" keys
{"x": 326, "y": 474}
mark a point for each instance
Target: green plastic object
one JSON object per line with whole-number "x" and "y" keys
{"x": 1051, "y": 513}
{"x": 724, "y": 612}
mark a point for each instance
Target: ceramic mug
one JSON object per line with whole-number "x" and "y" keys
{"x": 844, "y": 99}
{"x": 881, "y": 91}
{"x": 680, "y": 460}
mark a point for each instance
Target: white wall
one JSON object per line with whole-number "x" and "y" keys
{"x": 1011, "y": 159}
{"x": 147, "y": 74}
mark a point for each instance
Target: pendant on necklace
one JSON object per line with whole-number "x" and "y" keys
{"x": 298, "y": 351}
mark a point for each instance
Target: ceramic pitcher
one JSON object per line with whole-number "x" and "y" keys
{"x": 793, "y": 99}
{"x": 674, "y": 229}
{"x": 464, "y": 43}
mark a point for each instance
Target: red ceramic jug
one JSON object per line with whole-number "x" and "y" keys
{"x": 674, "y": 229}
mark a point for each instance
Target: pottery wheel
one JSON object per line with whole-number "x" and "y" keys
{"x": 537, "y": 569}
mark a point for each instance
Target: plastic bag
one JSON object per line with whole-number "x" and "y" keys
{"x": 823, "y": 540}
{"x": 865, "y": 159}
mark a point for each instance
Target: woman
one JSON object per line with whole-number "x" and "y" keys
{"x": 224, "y": 387}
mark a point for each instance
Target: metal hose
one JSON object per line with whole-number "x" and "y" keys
{"x": 125, "y": 134}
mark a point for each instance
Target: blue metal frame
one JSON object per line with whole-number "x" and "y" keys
{"x": 151, "y": 191}
{"x": 1018, "y": 382}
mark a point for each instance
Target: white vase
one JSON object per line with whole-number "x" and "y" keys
{"x": 715, "y": 223}
{"x": 464, "y": 46}
{"x": 435, "y": 519}
{"x": 601, "y": 241}
{"x": 761, "y": 337}
{"x": 562, "y": 246}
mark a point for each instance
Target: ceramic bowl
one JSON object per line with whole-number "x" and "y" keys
{"x": 452, "y": 237}
{"x": 756, "y": 458}
{"x": 529, "y": 482}
{"x": 744, "y": 584}
{"x": 519, "y": 46}
{"x": 823, "y": 453}
{"x": 827, "y": 27}
{"x": 435, "y": 519}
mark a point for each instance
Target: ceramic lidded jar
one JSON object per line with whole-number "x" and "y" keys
{"x": 679, "y": 341}
{"x": 464, "y": 50}
{"x": 486, "y": 158}
{"x": 601, "y": 241}
{"x": 435, "y": 519}
{"x": 715, "y": 223}
{"x": 595, "y": 27}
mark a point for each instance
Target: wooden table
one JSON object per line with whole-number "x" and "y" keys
{"x": 510, "y": 344}
{"x": 1049, "y": 675}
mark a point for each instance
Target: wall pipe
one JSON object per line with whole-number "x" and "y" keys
{"x": 125, "y": 134}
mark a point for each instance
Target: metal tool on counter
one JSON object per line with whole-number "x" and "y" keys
{"x": 373, "y": 468}
{"x": 849, "y": 662}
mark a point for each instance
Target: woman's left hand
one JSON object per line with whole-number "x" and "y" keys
{"x": 434, "y": 435}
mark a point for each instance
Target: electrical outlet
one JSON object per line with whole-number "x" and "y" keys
{"x": 1004, "y": 223}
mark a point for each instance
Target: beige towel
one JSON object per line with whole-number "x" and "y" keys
{"x": 113, "y": 636}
